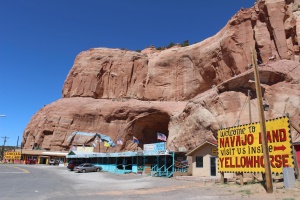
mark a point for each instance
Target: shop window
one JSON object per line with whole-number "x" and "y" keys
{"x": 112, "y": 160}
{"x": 105, "y": 160}
{"x": 199, "y": 161}
{"x": 134, "y": 160}
{"x": 140, "y": 160}
{"x": 94, "y": 160}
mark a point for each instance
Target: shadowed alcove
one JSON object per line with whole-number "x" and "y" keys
{"x": 145, "y": 128}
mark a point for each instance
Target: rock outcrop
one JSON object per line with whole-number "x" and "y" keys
{"x": 187, "y": 93}
{"x": 227, "y": 105}
{"x": 53, "y": 124}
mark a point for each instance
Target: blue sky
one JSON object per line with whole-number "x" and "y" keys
{"x": 39, "y": 41}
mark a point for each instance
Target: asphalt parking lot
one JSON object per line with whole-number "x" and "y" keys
{"x": 54, "y": 182}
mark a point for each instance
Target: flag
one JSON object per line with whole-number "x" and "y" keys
{"x": 161, "y": 136}
{"x": 119, "y": 142}
{"x": 106, "y": 144}
{"x": 135, "y": 140}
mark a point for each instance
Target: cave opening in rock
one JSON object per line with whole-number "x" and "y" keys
{"x": 145, "y": 129}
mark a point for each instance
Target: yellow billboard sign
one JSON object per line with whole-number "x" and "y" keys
{"x": 240, "y": 147}
{"x": 10, "y": 155}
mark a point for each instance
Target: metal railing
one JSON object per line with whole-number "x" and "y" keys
{"x": 169, "y": 173}
{"x": 153, "y": 170}
{"x": 181, "y": 169}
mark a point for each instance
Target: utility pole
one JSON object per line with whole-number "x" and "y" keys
{"x": 99, "y": 144}
{"x": 17, "y": 144}
{"x": 268, "y": 175}
{"x": 249, "y": 102}
{"x": 4, "y": 146}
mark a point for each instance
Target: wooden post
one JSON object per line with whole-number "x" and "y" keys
{"x": 99, "y": 144}
{"x": 249, "y": 103}
{"x": 241, "y": 179}
{"x": 296, "y": 163}
{"x": 222, "y": 178}
{"x": 268, "y": 175}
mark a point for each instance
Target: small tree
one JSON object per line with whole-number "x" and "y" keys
{"x": 185, "y": 43}
{"x": 170, "y": 45}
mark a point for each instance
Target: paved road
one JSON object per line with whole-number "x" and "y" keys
{"x": 53, "y": 182}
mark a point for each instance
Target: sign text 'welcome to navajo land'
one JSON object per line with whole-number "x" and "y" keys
{"x": 240, "y": 148}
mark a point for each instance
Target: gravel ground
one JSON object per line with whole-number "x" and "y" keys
{"x": 53, "y": 182}
{"x": 114, "y": 186}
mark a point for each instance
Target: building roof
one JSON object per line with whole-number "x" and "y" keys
{"x": 79, "y": 154}
{"x": 41, "y": 152}
{"x": 213, "y": 143}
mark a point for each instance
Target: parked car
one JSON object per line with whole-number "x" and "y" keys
{"x": 87, "y": 167}
{"x": 74, "y": 163}
{"x": 53, "y": 162}
{"x": 30, "y": 161}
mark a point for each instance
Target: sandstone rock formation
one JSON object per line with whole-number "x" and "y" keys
{"x": 186, "y": 93}
{"x": 227, "y": 105}
{"x": 54, "y": 123}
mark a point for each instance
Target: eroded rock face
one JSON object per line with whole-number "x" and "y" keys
{"x": 187, "y": 93}
{"x": 182, "y": 73}
{"x": 227, "y": 105}
{"x": 51, "y": 127}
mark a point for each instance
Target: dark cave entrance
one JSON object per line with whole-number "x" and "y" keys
{"x": 145, "y": 129}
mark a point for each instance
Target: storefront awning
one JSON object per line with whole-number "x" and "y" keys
{"x": 78, "y": 154}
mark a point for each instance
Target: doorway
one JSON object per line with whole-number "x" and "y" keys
{"x": 213, "y": 166}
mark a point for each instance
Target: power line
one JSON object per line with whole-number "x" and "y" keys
{"x": 239, "y": 116}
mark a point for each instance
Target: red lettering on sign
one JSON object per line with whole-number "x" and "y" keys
{"x": 239, "y": 140}
{"x": 221, "y": 161}
{"x": 243, "y": 163}
{"x": 249, "y": 161}
{"x": 272, "y": 161}
{"x": 250, "y": 139}
{"x": 278, "y": 135}
{"x": 232, "y": 140}
{"x": 282, "y": 135}
{"x": 221, "y": 142}
{"x": 231, "y": 165}
{"x": 226, "y": 162}
{"x": 256, "y": 161}
{"x": 285, "y": 160}
{"x": 278, "y": 160}
{"x": 237, "y": 162}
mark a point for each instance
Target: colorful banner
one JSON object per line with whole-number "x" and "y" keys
{"x": 106, "y": 144}
{"x": 240, "y": 147}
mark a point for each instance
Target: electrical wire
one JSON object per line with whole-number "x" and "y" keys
{"x": 239, "y": 116}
